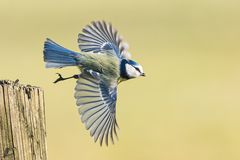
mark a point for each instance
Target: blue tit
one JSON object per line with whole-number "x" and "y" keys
{"x": 104, "y": 62}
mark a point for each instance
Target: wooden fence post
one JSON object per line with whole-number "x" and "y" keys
{"x": 22, "y": 122}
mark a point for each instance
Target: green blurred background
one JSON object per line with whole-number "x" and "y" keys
{"x": 188, "y": 106}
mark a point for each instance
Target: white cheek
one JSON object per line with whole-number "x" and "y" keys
{"x": 137, "y": 74}
{"x": 131, "y": 71}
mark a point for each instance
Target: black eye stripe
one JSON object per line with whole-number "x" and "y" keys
{"x": 137, "y": 69}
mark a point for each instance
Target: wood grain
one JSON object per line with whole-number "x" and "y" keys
{"x": 22, "y": 122}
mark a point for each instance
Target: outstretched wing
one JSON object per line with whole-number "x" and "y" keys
{"x": 97, "y": 106}
{"x": 100, "y": 37}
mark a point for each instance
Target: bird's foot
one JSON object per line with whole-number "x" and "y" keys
{"x": 60, "y": 78}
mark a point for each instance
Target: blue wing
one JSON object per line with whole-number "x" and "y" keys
{"x": 97, "y": 106}
{"x": 102, "y": 37}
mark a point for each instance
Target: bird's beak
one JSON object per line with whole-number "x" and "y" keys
{"x": 143, "y": 74}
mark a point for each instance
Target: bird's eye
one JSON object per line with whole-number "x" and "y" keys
{"x": 138, "y": 69}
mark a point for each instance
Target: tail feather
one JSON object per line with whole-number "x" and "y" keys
{"x": 57, "y": 56}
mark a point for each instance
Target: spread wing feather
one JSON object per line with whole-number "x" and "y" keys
{"x": 97, "y": 106}
{"x": 101, "y": 36}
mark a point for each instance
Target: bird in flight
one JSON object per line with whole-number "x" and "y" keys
{"x": 104, "y": 62}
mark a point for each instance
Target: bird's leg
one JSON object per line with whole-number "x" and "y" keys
{"x": 60, "y": 78}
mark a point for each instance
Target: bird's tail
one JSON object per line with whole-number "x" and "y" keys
{"x": 57, "y": 56}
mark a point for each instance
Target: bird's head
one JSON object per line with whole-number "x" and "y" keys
{"x": 131, "y": 69}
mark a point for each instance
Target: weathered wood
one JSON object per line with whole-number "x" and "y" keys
{"x": 22, "y": 122}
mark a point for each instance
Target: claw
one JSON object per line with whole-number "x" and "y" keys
{"x": 60, "y": 78}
